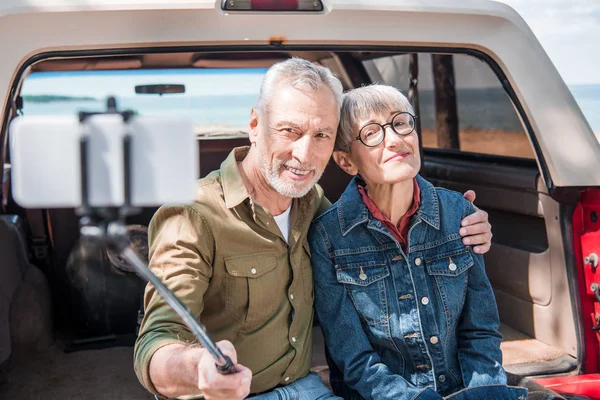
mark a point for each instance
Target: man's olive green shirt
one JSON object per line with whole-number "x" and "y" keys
{"x": 226, "y": 259}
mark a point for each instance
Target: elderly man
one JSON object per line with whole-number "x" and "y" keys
{"x": 239, "y": 259}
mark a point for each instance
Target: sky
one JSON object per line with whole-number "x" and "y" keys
{"x": 569, "y": 31}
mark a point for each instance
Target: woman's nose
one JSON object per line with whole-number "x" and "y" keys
{"x": 391, "y": 139}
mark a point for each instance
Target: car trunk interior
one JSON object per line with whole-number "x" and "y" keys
{"x": 73, "y": 323}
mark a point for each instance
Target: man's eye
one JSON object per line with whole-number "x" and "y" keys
{"x": 322, "y": 135}
{"x": 290, "y": 130}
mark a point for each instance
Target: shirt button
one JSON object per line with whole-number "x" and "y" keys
{"x": 292, "y": 296}
{"x": 253, "y": 270}
{"x": 287, "y": 378}
{"x": 434, "y": 340}
{"x": 425, "y": 301}
{"x": 294, "y": 339}
{"x": 442, "y": 378}
{"x": 417, "y": 261}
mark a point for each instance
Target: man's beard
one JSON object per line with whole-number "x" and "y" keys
{"x": 286, "y": 187}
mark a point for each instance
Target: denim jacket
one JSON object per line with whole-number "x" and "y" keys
{"x": 416, "y": 325}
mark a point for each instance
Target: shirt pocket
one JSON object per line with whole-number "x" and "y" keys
{"x": 248, "y": 286}
{"x": 449, "y": 270}
{"x": 365, "y": 284}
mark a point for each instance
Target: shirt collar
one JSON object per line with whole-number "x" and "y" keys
{"x": 429, "y": 209}
{"x": 234, "y": 190}
{"x": 352, "y": 211}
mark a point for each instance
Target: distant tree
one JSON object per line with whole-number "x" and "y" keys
{"x": 446, "y": 116}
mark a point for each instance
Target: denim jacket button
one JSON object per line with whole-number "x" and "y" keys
{"x": 452, "y": 267}
{"x": 417, "y": 261}
{"x": 442, "y": 378}
{"x": 425, "y": 301}
{"x": 434, "y": 340}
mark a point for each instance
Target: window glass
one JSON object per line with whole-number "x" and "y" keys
{"x": 487, "y": 120}
{"x": 218, "y": 100}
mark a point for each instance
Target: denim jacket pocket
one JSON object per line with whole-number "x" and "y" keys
{"x": 449, "y": 271}
{"x": 365, "y": 284}
{"x": 247, "y": 287}
{"x": 449, "y": 264}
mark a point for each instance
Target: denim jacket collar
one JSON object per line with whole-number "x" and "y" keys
{"x": 428, "y": 211}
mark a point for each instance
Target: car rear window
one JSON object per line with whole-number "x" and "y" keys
{"x": 218, "y": 100}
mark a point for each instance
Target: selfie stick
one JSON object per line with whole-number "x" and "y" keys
{"x": 107, "y": 224}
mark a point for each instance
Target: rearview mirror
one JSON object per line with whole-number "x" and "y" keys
{"x": 160, "y": 89}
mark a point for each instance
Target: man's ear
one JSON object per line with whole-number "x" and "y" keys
{"x": 253, "y": 125}
{"x": 344, "y": 161}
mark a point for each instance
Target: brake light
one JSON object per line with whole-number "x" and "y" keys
{"x": 272, "y": 5}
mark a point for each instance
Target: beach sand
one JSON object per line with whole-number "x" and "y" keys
{"x": 493, "y": 141}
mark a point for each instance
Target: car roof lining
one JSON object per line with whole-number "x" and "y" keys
{"x": 225, "y": 59}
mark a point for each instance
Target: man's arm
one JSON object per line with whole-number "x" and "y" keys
{"x": 166, "y": 361}
{"x": 476, "y": 230}
{"x": 179, "y": 369}
{"x": 479, "y": 340}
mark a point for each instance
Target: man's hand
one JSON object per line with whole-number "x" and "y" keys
{"x": 180, "y": 370}
{"x": 214, "y": 385}
{"x": 476, "y": 230}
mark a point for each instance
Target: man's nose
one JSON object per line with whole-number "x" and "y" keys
{"x": 303, "y": 148}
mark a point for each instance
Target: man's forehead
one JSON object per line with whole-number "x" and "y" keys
{"x": 322, "y": 95}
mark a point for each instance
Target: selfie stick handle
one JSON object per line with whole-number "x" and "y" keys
{"x": 223, "y": 362}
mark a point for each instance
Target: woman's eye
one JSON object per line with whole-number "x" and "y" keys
{"x": 369, "y": 133}
{"x": 398, "y": 124}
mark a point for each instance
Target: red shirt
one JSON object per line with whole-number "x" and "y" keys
{"x": 399, "y": 232}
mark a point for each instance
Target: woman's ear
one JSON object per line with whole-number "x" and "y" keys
{"x": 344, "y": 161}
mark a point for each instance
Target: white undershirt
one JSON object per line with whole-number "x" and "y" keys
{"x": 283, "y": 222}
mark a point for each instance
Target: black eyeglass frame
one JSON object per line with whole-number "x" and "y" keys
{"x": 384, "y": 126}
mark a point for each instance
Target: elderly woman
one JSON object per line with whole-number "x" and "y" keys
{"x": 406, "y": 308}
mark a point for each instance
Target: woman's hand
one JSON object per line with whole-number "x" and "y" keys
{"x": 475, "y": 228}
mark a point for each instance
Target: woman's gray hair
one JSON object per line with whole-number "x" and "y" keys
{"x": 299, "y": 73}
{"x": 362, "y": 103}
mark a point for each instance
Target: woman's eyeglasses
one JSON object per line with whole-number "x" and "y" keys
{"x": 372, "y": 134}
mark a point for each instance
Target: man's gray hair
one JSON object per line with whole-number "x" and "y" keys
{"x": 299, "y": 73}
{"x": 362, "y": 103}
